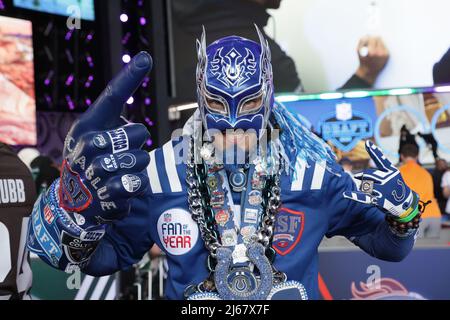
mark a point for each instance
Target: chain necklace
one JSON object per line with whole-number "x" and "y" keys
{"x": 226, "y": 283}
{"x": 198, "y": 199}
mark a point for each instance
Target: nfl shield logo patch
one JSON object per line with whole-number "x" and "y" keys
{"x": 288, "y": 230}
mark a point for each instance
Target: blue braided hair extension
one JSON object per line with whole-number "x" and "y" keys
{"x": 299, "y": 142}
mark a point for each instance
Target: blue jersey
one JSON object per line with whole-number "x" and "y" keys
{"x": 313, "y": 206}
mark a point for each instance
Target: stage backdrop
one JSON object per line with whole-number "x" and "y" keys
{"x": 424, "y": 274}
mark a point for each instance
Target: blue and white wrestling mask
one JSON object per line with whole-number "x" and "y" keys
{"x": 235, "y": 83}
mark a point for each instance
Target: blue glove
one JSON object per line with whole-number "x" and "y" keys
{"x": 385, "y": 188}
{"x": 103, "y": 163}
{"x": 103, "y": 169}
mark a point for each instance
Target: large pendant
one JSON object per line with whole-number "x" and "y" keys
{"x": 241, "y": 283}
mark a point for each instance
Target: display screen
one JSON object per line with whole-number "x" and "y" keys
{"x": 85, "y": 8}
{"x": 17, "y": 95}
{"x": 322, "y": 37}
{"x": 347, "y": 120}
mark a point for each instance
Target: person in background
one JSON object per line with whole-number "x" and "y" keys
{"x": 406, "y": 138}
{"x": 373, "y": 56}
{"x": 421, "y": 181}
{"x": 441, "y": 70}
{"x": 44, "y": 172}
{"x": 222, "y": 18}
{"x": 440, "y": 168}
{"x": 17, "y": 197}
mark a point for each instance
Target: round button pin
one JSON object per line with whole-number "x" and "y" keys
{"x": 238, "y": 180}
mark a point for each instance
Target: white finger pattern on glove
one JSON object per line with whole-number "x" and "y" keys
{"x": 390, "y": 191}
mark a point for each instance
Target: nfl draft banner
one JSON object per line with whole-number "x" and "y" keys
{"x": 345, "y": 127}
{"x": 343, "y": 122}
{"x": 353, "y": 274}
{"x": 346, "y": 120}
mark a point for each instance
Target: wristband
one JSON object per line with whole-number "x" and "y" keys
{"x": 411, "y": 213}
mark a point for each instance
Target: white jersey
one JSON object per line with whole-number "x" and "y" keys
{"x": 17, "y": 195}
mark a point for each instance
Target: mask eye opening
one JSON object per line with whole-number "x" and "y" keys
{"x": 215, "y": 104}
{"x": 252, "y": 104}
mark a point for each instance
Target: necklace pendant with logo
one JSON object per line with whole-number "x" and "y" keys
{"x": 238, "y": 180}
{"x": 241, "y": 283}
